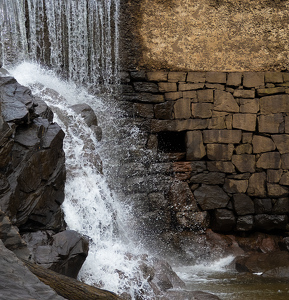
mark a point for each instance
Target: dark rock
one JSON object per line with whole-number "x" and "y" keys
{"x": 149, "y": 87}
{"x": 208, "y": 178}
{"x": 263, "y": 206}
{"x": 224, "y": 220}
{"x": 189, "y": 295}
{"x": 164, "y": 111}
{"x": 271, "y": 222}
{"x": 86, "y": 112}
{"x": 245, "y": 223}
{"x": 243, "y": 204}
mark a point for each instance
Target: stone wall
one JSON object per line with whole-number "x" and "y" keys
{"x": 205, "y": 35}
{"x": 224, "y": 137}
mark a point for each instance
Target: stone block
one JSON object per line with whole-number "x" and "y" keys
{"x": 282, "y": 142}
{"x": 221, "y": 166}
{"x": 285, "y": 161}
{"x": 205, "y": 95}
{"x": 202, "y": 110}
{"x": 269, "y": 160}
{"x": 286, "y": 124}
{"x": 196, "y": 77}
{"x": 177, "y": 76}
{"x": 244, "y": 149}
{"x": 195, "y": 148}
{"x": 274, "y": 176}
{"x": 245, "y": 223}
{"x": 262, "y": 144}
{"x": 247, "y": 137}
{"x": 157, "y": 76}
{"x": 285, "y": 76}
{"x": 182, "y": 109}
{"x": 263, "y": 206}
{"x": 284, "y": 180}
{"x": 178, "y": 125}
{"x": 215, "y": 86}
{"x": 253, "y": 79}
{"x": 224, "y": 101}
{"x": 273, "y": 123}
{"x": 217, "y": 123}
{"x": 216, "y": 77}
{"x": 270, "y": 222}
{"x": 222, "y": 152}
{"x": 138, "y": 75}
{"x": 243, "y": 205}
{"x": 273, "y": 77}
{"x": 270, "y": 91}
{"x": 250, "y": 106}
{"x": 229, "y": 121}
{"x": 195, "y": 221}
{"x": 234, "y": 186}
{"x": 274, "y": 104}
{"x": 244, "y": 163}
{"x": 173, "y": 96}
{"x": 244, "y": 94}
{"x": 165, "y": 87}
{"x": 276, "y": 190}
{"x": 145, "y": 87}
{"x": 190, "y": 86}
{"x": 234, "y": 79}
{"x": 143, "y": 110}
{"x": 190, "y": 94}
{"x": 211, "y": 197}
{"x": 222, "y": 136}
{"x": 244, "y": 121}
{"x": 281, "y": 206}
{"x": 164, "y": 111}
{"x": 208, "y": 178}
{"x": 257, "y": 185}
{"x": 224, "y": 220}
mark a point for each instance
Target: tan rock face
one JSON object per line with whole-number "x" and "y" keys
{"x": 228, "y": 35}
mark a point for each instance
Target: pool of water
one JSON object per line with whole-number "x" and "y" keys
{"x": 220, "y": 279}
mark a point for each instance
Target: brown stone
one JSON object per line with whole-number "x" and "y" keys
{"x": 164, "y": 111}
{"x": 216, "y": 77}
{"x": 274, "y": 104}
{"x": 244, "y": 93}
{"x": 195, "y": 148}
{"x": 224, "y": 101}
{"x": 273, "y": 77}
{"x": 250, "y": 106}
{"x": 273, "y": 123}
{"x": 269, "y": 160}
{"x": 234, "y": 79}
{"x": 178, "y": 125}
{"x": 208, "y": 178}
{"x": 229, "y": 121}
{"x": 234, "y": 186}
{"x": 270, "y": 91}
{"x": 257, "y": 185}
{"x": 286, "y": 124}
{"x": 220, "y": 151}
{"x": 217, "y": 123}
{"x": 143, "y": 110}
{"x": 276, "y": 190}
{"x": 196, "y": 77}
{"x": 284, "y": 179}
{"x": 244, "y": 149}
{"x": 173, "y": 95}
{"x": 221, "y": 166}
{"x": 205, "y": 95}
{"x": 244, "y": 162}
{"x": 262, "y": 144}
{"x": 253, "y": 79}
{"x": 149, "y": 87}
{"x": 211, "y": 197}
{"x": 182, "y": 109}
{"x": 202, "y": 110}
{"x": 215, "y": 86}
{"x": 274, "y": 176}
{"x": 244, "y": 121}
{"x": 243, "y": 205}
{"x": 165, "y": 87}
{"x": 190, "y": 86}
{"x": 285, "y": 161}
{"x": 157, "y": 76}
{"x": 282, "y": 142}
{"x": 190, "y": 95}
{"x": 177, "y": 76}
{"x": 247, "y": 137}
{"x": 222, "y": 136}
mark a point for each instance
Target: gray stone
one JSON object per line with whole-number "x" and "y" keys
{"x": 234, "y": 186}
{"x": 262, "y": 144}
{"x": 208, "y": 178}
{"x": 147, "y": 87}
{"x": 224, "y": 101}
{"x": 202, "y": 110}
{"x": 222, "y": 136}
{"x": 211, "y": 197}
{"x": 195, "y": 221}
{"x": 138, "y": 75}
{"x": 269, "y": 160}
{"x": 253, "y": 79}
{"x": 281, "y": 206}
{"x": 157, "y": 201}
{"x": 282, "y": 142}
{"x": 245, "y": 122}
{"x": 195, "y": 148}
{"x": 273, "y": 123}
{"x": 243, "y": 205}
{"x": 143, "y": 110}
{"x": 220, "y": 151}
{"x": 245, "y": 223}
{"x": 263, "y": 206}
{"x": 224, "y": 220}
{"x": 244, "y": 163}
{"x": 257, "y": 185}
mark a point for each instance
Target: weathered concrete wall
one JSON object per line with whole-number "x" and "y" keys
{"x": 209, "y": 35}
{"x": 225, "y": 137}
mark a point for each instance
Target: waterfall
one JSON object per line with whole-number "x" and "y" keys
{"x": 78, "y": 39}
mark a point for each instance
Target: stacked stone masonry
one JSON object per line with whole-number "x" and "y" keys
{"x": 227, "y": 136}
